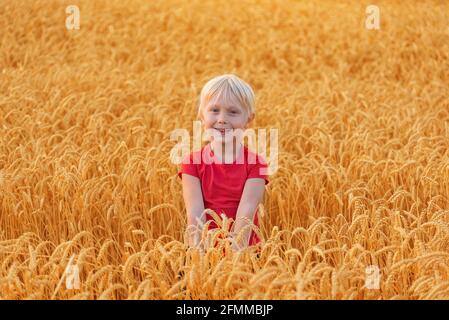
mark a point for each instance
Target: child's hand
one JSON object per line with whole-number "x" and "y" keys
{"x": 235, "y": 246}
{"x": 199, "y": 247}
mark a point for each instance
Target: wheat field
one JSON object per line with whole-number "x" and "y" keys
{"x": 85, "y": 173}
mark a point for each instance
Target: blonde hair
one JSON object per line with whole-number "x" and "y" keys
{"x": 228, "y": 86}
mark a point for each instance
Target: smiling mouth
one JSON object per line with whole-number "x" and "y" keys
{"x": 223, "y": 131}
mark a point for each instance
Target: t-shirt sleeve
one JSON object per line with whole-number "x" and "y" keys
{"x": 259, "y": 169}
{"x": 188, "y": 167}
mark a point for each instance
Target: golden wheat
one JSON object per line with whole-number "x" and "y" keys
{"x": 85, "y": 170}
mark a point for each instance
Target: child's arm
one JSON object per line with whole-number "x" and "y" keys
{"x": 251, "y": 197}
{"x": 193, "y": 199}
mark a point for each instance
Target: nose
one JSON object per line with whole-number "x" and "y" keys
{"x": 222, "y": 118}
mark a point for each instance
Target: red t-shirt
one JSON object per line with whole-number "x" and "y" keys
{"x": 222, "y": 183}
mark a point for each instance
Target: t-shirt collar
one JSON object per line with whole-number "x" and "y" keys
{"x": 238, "y": 160}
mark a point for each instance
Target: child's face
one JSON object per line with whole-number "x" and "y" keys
{"x": 225, "y": 116}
